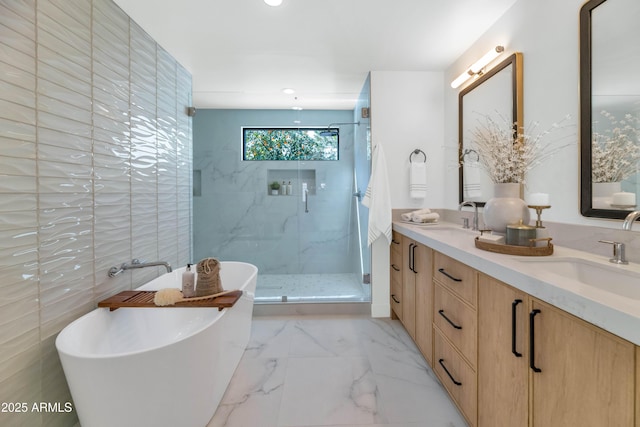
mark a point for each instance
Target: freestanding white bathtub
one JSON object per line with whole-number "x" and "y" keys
{"x": 157, "y": 366}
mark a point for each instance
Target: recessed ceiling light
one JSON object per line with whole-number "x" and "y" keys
{"x": 273, "y": 2}
{"x": 288, "y": 90}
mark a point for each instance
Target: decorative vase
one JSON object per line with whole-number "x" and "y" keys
{"x": 602, "y": 193}
{"x": 505, "y": 207}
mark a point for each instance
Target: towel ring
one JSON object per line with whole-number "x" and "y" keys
{"x": 417, "y": 151}
{"x": 470, "y": 151}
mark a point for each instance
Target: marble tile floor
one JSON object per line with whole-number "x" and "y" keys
{"x": 310, "y": 288}
{"x": 327, "y": 371}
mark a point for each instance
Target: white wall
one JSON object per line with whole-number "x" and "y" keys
{"x": 406, "y": 113}
{"x": 547, "y": 34}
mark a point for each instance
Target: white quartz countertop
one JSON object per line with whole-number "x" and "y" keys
{"x": 617, "y": 314}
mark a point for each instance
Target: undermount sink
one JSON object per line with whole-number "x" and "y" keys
{"x": 609, "y": 278}
{"x": 452, "y": 231}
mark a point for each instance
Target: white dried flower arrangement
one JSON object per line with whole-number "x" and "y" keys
{"x": 507, "y": 153}
{"x": 615, "y": 152}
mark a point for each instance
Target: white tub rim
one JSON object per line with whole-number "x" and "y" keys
{"x": 63, "y": 343}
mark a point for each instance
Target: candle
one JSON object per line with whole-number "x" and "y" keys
{"x": 538, "y": 199}
{"x": 623, "y": 199}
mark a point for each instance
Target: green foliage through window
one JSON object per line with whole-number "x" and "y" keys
{"x": 288, "y": 144}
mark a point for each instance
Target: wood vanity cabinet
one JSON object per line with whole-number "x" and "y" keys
{"x": 396, "y": 275}
{"x": 424, "y": 300}
{"x": 455, "y": 332}
{"x": 417, "y": 291}
{"x": 412, "y": 290}
{"x": 508, "y": 359}
{"x": 586, "y": 374}
{"x": 503, "y": 353}
{"x": 570, "y": 372}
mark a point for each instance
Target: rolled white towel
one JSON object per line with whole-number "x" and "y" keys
{"x": 409, "y": 215}
{"x": 425, "y": 217}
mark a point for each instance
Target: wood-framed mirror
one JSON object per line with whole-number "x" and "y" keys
{"x": 609, "y": 108}
{"x": 497, "y": 94}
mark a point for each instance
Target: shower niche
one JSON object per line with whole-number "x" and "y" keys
{"x": 294, "y": 180}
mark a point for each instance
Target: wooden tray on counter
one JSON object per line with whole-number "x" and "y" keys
{"x": 501, "y": 248}
{"x": 145, "y": 299}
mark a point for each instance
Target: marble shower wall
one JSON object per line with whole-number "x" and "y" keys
{"x": 235, "y": 219}
{"x": 95, "y": 169}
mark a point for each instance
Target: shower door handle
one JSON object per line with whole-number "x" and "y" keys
{"x": 358, "y": 195}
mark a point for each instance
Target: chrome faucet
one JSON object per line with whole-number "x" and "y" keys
{"x": 135, "y": 263}
{"x": 475, "y": 213}
{"x": 619, "y": 256}
{"x": 628, "y": 221}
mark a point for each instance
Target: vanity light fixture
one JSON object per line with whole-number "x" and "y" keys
{"x": 478, "y": 66}
{"x": 273, "y": 2}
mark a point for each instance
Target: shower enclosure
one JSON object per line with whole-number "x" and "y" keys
{"x": 305, "y": 240}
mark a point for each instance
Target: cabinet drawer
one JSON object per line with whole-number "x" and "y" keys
{"x": 459, "y": 278}
{"x": 396, "y": 298}
{"x": 457, "y": 377}
{"x": 457, "y": 321}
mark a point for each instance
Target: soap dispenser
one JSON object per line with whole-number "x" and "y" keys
{"x": 188, "y": 282}
{"x": 289, "y": 189}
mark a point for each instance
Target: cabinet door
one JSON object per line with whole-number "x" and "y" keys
{"x": 424, "y": 301}
{"x": 396, "y": 276}
{"x": 586, "y": 375}
{"x": 502, "y": 355}
{"x": 409, "y": 253}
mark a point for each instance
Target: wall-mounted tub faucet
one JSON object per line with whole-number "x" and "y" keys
{"x": 135, "y": 263}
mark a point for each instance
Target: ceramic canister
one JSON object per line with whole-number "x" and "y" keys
{"x": 520, "y": 234}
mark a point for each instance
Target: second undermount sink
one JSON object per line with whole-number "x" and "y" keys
{"x": 445, "y": 230}
{"x": 614, "y": 279}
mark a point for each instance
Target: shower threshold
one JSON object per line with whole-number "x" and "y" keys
{"x": 311, "y": 299}
{"x": 310, "y": 288}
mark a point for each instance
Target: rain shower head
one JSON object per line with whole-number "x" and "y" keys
{"x": 334, "y": 132}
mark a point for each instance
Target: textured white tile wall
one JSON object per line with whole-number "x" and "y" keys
{"x": 95, "y": 169}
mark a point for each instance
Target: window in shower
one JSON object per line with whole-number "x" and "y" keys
{"x": 290, "y": 143}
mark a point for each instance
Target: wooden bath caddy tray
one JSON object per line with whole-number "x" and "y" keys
{"x": 501, "y": 248}
{"x": 145, "y": 299}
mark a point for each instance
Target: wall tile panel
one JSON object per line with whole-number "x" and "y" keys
{"x": 19, "y": 17}
{"x": 92, "y": 127}
{"x": 18, "y": 42}
{"x": 20, "y": 93}
{"x": 17, "y": 59}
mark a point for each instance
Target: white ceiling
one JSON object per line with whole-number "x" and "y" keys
{"x": 242, "y": 53}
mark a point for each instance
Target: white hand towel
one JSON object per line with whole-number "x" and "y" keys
{"x": 378, "y": 198}
{"x": 471, "y": 185}
{"x": 418, "y": 180}
{"x": 425, "y": 217}
{"x": 407, "y": 216}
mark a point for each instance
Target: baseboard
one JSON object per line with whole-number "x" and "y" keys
{"x": 380, "y": 310}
